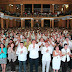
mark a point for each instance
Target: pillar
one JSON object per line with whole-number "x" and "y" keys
{"x": 53, "y": 8}
{"x": 42, "y": 22}
{"x": 41, "y": 8}
{"x": 11, "y": 23}
{"x": 21, "y": 23}
{"x": 14, "y": 8}
{"x": 7, "y": 23}
{"x": 68, "y": 23}
{"x": 32, "y": 8}
{"x": 7, "y": 7}
{"x": 18, "y": 23}
{"x": 62, "y": 23}
{"x": 10, "y": 7}
{"x": 64, "y": 8}
{"x": 21, "y": 9}
{"x": 32, "y": 22}
{"x": 14, "y": 23}
{"x": 50, "y": 7}
{"x": 52, "y": 23}
{"x": 71, "y": 24}
{"x": 60, "y": 7}
{"x": 2, "y": 23}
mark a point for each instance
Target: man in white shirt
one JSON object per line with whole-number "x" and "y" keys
{"x": 41, "y": 45}
{"x": 65, "y": 57}
{"x": 33, "y": 55}
{"x": 22, "y": 56}
{"x": 68, "y": 42}
{"x": 46, "y": 58}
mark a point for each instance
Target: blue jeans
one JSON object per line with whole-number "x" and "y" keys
{"x": 20, "y": 66}
{"x": 32, "y": 62}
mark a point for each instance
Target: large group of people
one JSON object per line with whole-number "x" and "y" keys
{"x": 36, "y": 13}
{"x": 43, "y": 47}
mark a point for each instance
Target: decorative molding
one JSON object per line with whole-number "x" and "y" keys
{"x": 2, "y": 15}
{"x": 53, "y": 4}
{"x": 21, "y": 4}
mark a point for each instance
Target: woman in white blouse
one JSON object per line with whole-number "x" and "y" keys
{"x": 12, "y": 56}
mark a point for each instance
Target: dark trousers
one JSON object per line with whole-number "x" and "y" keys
{"x": 32, "y": 62}
{"x": 12, "y": 64}
{"x": 20, "y": 66}
{"x": 64, "y": 66}
{"x": 40, "y": 58}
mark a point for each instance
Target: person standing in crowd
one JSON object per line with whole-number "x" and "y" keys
{"x": 46, "y": 58}
{"x": 5, "y": 43}
{"x": 33, "y": 55}
{"x": 56, "y": 62}
{"x": 3, "y": 57}
{"x": 65, "y": 57}
{"x": 12, "y": 56}
{"x": 22, "y": 56}
{"x": 26, "y": 44}
{"x": 59, "y": 43}
{"x": 9, "y": 44}
{"x": 41, "y": 45}
{"x": 68, "y": 42}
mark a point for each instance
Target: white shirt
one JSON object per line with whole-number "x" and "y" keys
{"x": 64, "y": 52}
{"x": 70, "y": 44}
{"x": 17, "y": 44}
{"x": 52, "y": 48}
{"x": 46, "y": 55}
{"x": 33, "y": 51}
{"x": 23, "y": 56}
{"x": 32, "y": 36}
{"x": 40, "y": 45}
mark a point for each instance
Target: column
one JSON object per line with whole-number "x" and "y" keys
{"x": 71, "y": 24}
{"x": 21, "y": 9}
{"x": 64, "y": 8}
{"x": 9, "y": 7}
{"x": 50, "y": 7}
{"x": 52, "y": 23}
{"x": 21, "y": 22}
{"x": 53, "y": 8}
{"x": 42, "y": 22}
{"x": 60, "y": 23}
{"x": 68, "y": 23}
{"x": 41, "y": 8}
{"x": 18, "y": 24}
{"x": 2, "y": 23}
{"x": 14, "y": 8}
{"x": 11, "y": 23}
{"x": 60, "y": 7}
{"x": 32, "y": 22}
{"x": 32, "y": 8}
{"x": 24, "y": 23}
{"x": 14, "y": 22}
{"x": 7, "y": 23}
